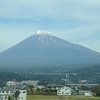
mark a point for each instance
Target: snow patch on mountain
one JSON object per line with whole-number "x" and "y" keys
{"x": 43, "y": 32}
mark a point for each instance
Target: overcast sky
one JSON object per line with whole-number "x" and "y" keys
{"x": 77, "y": 21}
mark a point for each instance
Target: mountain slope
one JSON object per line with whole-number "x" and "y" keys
{"x": 43, "y": 49}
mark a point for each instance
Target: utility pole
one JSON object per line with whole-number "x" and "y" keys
{"x": 80, "y": 88}
{"x": 14, "y": 89}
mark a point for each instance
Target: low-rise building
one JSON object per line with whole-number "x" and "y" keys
{"x": 64, "y": 91}
{"x": 40, "y": 87}
{"x": 29, "y": 82}
{"x": 10, "y": 83}
{"x": 22, "y": 95}
{"x": 6, "y": 94}
{"x": 88, "y": 93}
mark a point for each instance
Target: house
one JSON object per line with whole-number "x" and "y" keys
{"x": 30, "y": 82}
{"x": 4, "y": 94}
{"x": 19, "y": 94}
{"x": 39, "y": 87}
{"x": 64, "y": 91}
{"x": 22, "y": 95}
{"x": 10, "y": 83}
{"x": 88, "y": 93}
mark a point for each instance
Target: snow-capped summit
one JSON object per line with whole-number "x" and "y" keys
{"x": 43, "y": 32}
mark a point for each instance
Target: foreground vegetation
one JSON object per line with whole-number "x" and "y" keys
{"x": 47, "y": 97}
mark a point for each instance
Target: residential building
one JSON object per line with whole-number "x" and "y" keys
{"x": 10, "y": 83}
{"x": 29, "y": 82}
{"x": 64, "y": 91}
{"x": 5, "y": 94}
{"x": 88, "y": 93}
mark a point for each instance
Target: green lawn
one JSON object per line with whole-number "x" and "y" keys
{"x": 46, "y": 97}
{"x": 82, "y": 98}
{"x": 42, "y": 97}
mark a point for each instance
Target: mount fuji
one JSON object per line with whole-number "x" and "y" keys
{"x": 43, "y": 50}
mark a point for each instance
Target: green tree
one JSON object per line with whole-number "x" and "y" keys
{"x": 16, "y": 94}
{"x": 96, "y": 89}
{"x": 9, "y": 98}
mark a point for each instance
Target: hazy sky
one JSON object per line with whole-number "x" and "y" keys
{"x": 77, "y": 21}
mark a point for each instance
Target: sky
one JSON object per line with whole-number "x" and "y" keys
{"x": 77, "y": 21}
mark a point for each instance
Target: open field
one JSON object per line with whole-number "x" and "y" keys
{"x": 46, "y": 97}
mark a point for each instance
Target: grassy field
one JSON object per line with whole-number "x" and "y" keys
{"x": 42, "y": 97}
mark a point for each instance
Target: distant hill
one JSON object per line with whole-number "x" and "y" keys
{"x": 91, "y": 74}
{"x": 43, "y": 50}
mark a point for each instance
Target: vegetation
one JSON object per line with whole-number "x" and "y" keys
{"x": 9, "y": 98}
{"x": 96, "y": 89}
{"x": 6, "y": 76}
{"x": 82, "y": 98}
{"x": 47, "y": 97}
{"x": 91, "y": 74}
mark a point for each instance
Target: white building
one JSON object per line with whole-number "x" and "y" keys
{"x": 4, "y": 94}
{"x": 22, "y": 95}
{"x": 39, "y": 86}
{"x": 10, "y": 83}
{"x": 88, "y": 93}
{"x": 30, "y": 82}
{"x": 64, "y": 91}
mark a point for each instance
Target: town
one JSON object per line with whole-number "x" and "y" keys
{"x": 15, "y": 90}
